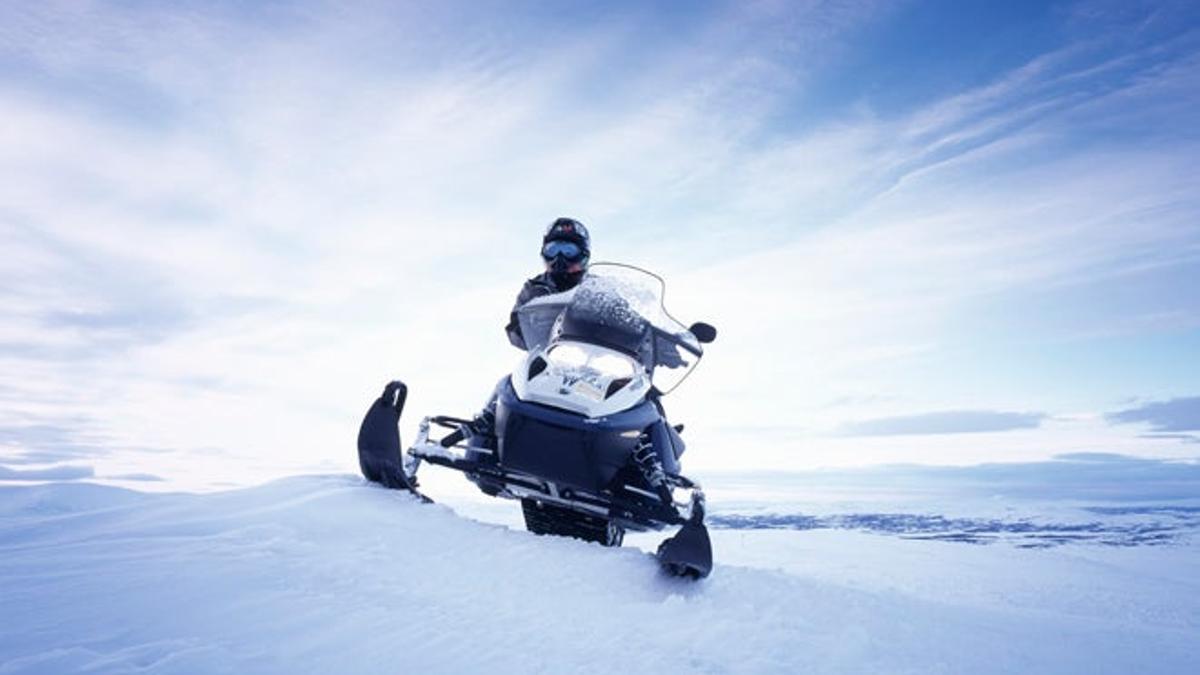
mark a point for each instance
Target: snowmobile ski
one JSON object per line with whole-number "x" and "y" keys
{"x": 379, "y": 453}
{"x": 689, "y": 552}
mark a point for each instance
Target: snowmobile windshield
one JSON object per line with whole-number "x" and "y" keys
{"x": 619, "y": 307}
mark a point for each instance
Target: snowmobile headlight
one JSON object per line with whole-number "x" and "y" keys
{"x": 568, "y": 356}
{"x": 612, "y": 365}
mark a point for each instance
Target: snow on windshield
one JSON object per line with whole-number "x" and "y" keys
{"x": 627, "y": 294}
{"x": 620, "y": 295}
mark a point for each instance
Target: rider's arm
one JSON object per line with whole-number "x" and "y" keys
{"x": 514, "y": 331}
{"x": 533, "y": 288}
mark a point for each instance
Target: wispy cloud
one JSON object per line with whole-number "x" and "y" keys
{"x": 282, "y": 201}
{"x": 56, "y": 473}
{"x": 1108, "y": 477}
{"x": 225, "y": 224}
{"x": 930, "y": 216}
{"x": 945, "y": 422}
{"x": 1177, "y": 414}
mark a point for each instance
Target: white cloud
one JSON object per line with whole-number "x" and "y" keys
{"x": 299, "y": 204}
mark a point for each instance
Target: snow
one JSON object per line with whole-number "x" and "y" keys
{"x": 319, "y": 574}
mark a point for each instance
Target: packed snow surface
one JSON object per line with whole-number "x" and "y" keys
{"x": 324, "y": 574}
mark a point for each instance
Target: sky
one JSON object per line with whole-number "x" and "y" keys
{"x": 927, "y": 232}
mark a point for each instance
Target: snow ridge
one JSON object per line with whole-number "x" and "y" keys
{"x": 327, "y": 574}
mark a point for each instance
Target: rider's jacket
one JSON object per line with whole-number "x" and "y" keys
{"x": 542, "y": 284}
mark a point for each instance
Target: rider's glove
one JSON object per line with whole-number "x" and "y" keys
{"x": 668, "y": 355}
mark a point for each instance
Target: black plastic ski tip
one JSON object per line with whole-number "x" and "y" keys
{"x": 687, "y": 554}
{"x": 379, "y": 440}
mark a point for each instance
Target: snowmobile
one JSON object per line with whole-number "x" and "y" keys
{"x": 576, "y": 433}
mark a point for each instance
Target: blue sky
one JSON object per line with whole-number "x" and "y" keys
{"x": 931, "y": 232}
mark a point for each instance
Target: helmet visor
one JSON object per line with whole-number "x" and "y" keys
{"x": 567, "y": 249}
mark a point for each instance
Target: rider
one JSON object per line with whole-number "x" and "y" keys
{"x": 566, "y": 248}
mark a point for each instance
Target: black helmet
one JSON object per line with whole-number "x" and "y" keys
{"x": 566, "y": 248}
{"x": 569, "y": 229}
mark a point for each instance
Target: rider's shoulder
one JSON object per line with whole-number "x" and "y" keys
{"x": 536, "y": 286}
{"x": 541, "y": 282}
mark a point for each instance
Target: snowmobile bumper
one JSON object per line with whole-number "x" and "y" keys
{"x": 632, "y": 509}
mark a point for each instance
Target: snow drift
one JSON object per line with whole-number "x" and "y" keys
{"x": 327, "y": 574}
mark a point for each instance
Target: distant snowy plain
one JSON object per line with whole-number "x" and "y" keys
{"x": 893, "y": 571}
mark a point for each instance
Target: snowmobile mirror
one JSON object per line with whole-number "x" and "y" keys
{"x": 704, "y": 332}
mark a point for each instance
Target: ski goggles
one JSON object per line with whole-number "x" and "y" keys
{"x": 567, "y": 249}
